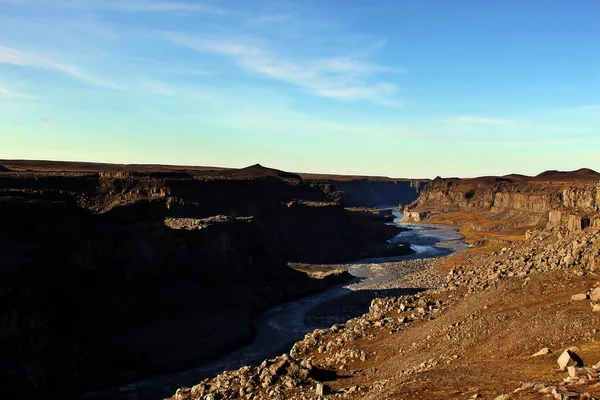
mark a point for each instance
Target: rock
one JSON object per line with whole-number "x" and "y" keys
{"x": 579, "y": 297}
{"x": 542, "y": 352}
{"x": 547, "y": 390}
{"x": 569, "y": 358}
{"x": 182, "y": 393}
{"x": 595, "y": 295}
{"x": 277, "y": 367}
{"x": 595, "y": 307}
{"x": 568, "y": 260}
{"x": 320, "y": 389}
{"x": 567, "y": 395}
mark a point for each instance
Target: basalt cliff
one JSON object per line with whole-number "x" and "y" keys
{"x": 360, "y": 191}
{"x": 113, "y": 273}
{"x": 556, "y": 198}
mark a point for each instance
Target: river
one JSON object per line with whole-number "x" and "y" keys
{"x": 280, "y": 327}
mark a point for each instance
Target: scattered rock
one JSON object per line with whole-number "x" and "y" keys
{"x": 579, "y": 297}
{"x": 542, "y": 352}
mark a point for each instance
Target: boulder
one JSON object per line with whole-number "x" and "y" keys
{"x": 595, "y": 295}
{"x": 569, "y": 358}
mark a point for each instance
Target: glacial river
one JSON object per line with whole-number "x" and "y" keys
{"x": 280, "y": 327}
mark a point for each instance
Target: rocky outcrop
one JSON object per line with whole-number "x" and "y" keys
{"x": 573, "y": 221}
{"x": 110, "y": 276}
{"x": 413, "y": 216}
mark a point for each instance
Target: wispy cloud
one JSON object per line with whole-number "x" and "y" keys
{"x": 268, "y": 19}
{"x": 589, "y": 107}
{"x": 154, "y": 86}
{"x": 556, "y": 143}
{"x": 486, "y": 121}
{"x": 342, "y": 77}
{"x": 10, "y": 55}
{"x": 145, "y": 6}
{"x": 6, "y": 93}
{"x": 518, "y": 126}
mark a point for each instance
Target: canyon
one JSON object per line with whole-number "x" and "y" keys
{"x": 489, "y": 322}
{"x": 116, "y": 273}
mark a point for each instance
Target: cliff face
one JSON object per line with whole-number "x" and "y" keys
{"x": 572, "y": 200}
{"x": 106, "y": 277}
{"x": 371, "y": 192}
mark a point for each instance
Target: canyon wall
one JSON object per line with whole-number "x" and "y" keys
{"x": 374, "y": 192}
{"x": 107, "y": 277}
{"x": 572, "y": 199}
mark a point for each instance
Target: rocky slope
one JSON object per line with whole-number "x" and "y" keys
{"x": 472, "y": 337}
{"x": 108, "y": 276}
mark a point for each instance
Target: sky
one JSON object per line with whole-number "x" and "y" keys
{"x": 390, "y": 87}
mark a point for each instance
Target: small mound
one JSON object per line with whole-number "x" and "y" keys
{"x": 516, "y": 177}
{"x": 586, "y": 172}
{"x": 491, "y": 180}
{"x": 582, "y": 173}
{"x": 258, "y": 171}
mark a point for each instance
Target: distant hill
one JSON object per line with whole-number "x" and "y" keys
{"x": 582, "y": 174}
{"x": 579, "y": 174}
{"x": 258, "y": 171}
{"x": 81, "y": 166}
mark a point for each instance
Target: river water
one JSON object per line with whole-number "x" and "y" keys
{"x": 280, "y": 327}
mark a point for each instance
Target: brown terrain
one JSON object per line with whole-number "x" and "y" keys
{"x": 517, "y": 316}
{"x": 112, "y": 273}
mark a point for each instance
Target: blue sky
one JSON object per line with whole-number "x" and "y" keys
{"x": 399, "y": 88}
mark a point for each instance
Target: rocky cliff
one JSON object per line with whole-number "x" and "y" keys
{"x": 571, "y": 199}
{"x": 109, "y": 276}
{"x": 373, "y": 192}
